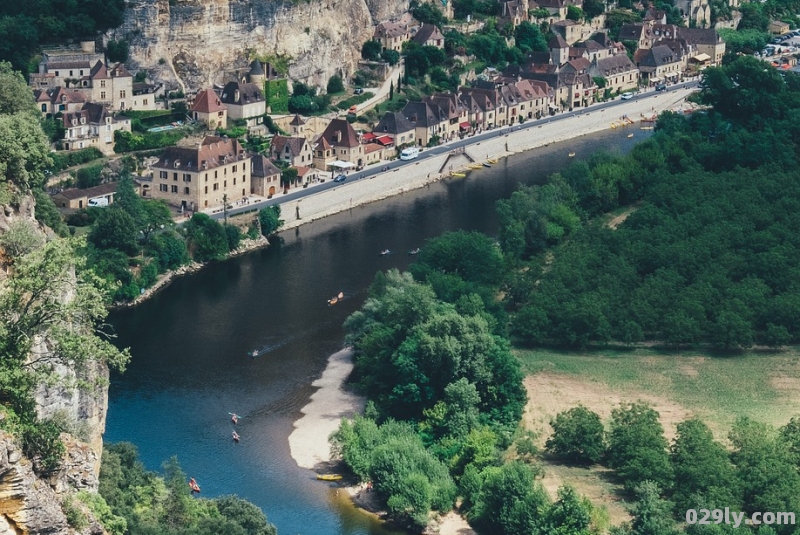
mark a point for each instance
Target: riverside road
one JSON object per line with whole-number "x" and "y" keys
{"x": 449, "y": 147}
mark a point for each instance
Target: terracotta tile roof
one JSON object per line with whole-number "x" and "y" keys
{"x": 279, "y": 143}
{"x": 390, "y": 29}
{"x": 207, "y": 101}
{"x": 262, "y": 167}
{"x": 428, "y": 32}
{"x": 213, "y": 152}
{"x": 339, "y": 133}
{"x": 372, "y": 147}
{"x": 96, "y": 191}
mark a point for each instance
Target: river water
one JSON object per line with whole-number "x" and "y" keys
{"x": 190, "y": 342}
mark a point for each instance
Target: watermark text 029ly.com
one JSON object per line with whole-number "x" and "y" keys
{"x": 734, "y": 518}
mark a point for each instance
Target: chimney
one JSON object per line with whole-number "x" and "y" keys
{"x": 236, "y": 95}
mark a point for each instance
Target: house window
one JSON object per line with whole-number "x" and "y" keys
{"x": 174, "y": 189}
{"x": 122, "y": 93}
{"x": 215, "y": 174}
{"x": 244, "y": 167}
{"x": 206, "y": 177}
{"x": 187, "y": 177}
{"x": 162, "y": 187}
{"x": 244, "y": 179}
{"x": 162, "y": 174}
{"x": 175, "y": 176}
{"x": 205, "y": 190}
{"x": 102, "y": 95}
{"x": 186, "y": 191}
{"x": 216, "y": 186}
{"x": 234, "y": 181}
{"x": 144, "y": 102}
{"x": 70, "y": 73}
{"x": 234, "y": 168}
{"x": 224, "y": 183}
{"x": 102, "y": 83}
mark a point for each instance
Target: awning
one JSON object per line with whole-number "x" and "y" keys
{"x": 385, "y": 140}
{"x": 342, "y": 165}
{"x": 702, "y": 57}
{"x": 655, "y": 79}
{"x": 369, "y": 136}
{"x": 464, "y": 125}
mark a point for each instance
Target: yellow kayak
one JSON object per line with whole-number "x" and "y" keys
{"x": 493, "y": 160}
{"x": 329, "y": 477}
{"x": 457, "y": 175}
{"x": 476, "y": 166}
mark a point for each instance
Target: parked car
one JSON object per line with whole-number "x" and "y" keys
{"x": 358, "y": 90}
{"x": 340, "y": 178}
{"x": 661, "y": 87}
{"x": 627, "y": 96}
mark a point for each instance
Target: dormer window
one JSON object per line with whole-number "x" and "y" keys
{"x": 63, "y": 98}
{"x": 177, "y": 164}
{"x": 83, "y": 120}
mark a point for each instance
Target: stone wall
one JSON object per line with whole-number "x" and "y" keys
{"x": 193, "y": 43}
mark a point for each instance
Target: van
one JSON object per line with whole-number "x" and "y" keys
{"x": 409, "y": 154}
{"x": 98, "y": 202}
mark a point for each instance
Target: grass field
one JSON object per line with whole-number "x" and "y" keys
{"x": 762, "y": 385}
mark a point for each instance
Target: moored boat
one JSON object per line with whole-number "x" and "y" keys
{"x": 329, "y": 477}
{"x": 457, "y": 175}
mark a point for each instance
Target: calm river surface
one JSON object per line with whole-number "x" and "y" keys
{"x": 190, "y": 342}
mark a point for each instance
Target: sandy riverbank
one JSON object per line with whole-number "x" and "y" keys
{"x": 308, "y": 443}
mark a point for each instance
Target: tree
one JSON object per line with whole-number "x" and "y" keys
{"x": 21, "y": 238}
{"x": 637, "y": 449}
{"x": 510, "y": 501}
{"x": 288, "y": 177}
{"x": 529, "y": 37}
{"x": 206, "y": 238}
{"x": 51, "y": 294}
{"x": 233, "y": 235}
{"x": 270, "y": 219}
{"x": 391, "y": 90}
{"x": 577, "y": 436}
{"x": 114, "y": 229}
{"x": 392, "y": 57}
{"x": 428, "y": 14}
{"x": 335, "y": 84}
{"x": 575, "y": 13}
{"x": 651, "y": 514}
{"x": 593, "y": 8}
{"x": 371, "y": 50}
{"x": 117, "y": 51}
{"x": 703, "y": 472}
{"x": 569, "y": 515}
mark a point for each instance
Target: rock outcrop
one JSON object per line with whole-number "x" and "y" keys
{"x": 29, "y": 505}
{"x": 196, "y": 42}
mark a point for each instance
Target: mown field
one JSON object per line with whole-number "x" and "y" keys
{"x": 762, "y": 385}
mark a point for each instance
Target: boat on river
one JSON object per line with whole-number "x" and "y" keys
{"x": 486, "y": 164}
{"x": 457, "y": 175}
{"x": 630, "y": 135}
{"x": 571, "y": 154}
{"x": 414, "y": 251}
{"x": 385, "y": 252}
{"x": 493, "y": 161}
{"x": 475, "y": 166}
{"x": 329, "y": 477}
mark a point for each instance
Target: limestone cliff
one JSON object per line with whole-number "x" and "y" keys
{"x": 29, "y": 505}
{"x": 198, "y": 41}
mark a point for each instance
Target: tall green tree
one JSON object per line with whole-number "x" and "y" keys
{"x": 577, "y": 436}
{"x": 637, "y": 449}
{"x": 206, "y": 238}
{"x": 114, "y": 229}
{"x": 651, "y": 514}
{"x": 704, "y": 475}
{"x": 270, "y": 219}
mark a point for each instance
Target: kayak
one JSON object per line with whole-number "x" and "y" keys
{"x": 329, "y": 477}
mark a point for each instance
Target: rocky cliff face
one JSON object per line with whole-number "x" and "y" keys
{"x": 200, "y": 40}
{"x": 31, "y": 506}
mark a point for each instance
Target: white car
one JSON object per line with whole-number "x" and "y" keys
{"x": 627, "y": 96}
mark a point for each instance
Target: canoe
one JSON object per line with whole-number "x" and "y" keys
{"x": 475, "y": 166}
{"x": 457, "y": 175}
{"x": 329, "y": 477}
{"x": 493, "y": 160}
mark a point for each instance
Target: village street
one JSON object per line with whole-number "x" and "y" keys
{"x": 385, "y": 180}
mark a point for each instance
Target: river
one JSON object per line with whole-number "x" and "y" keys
{"x": 190, "y": 367}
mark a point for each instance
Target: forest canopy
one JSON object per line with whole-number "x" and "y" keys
{"x": 25, "y": 26}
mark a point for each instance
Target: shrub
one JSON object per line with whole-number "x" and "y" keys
{"x": 577, "y": 436}
{"x": 270, "y": 219}
{"x": 335, "y": 84}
